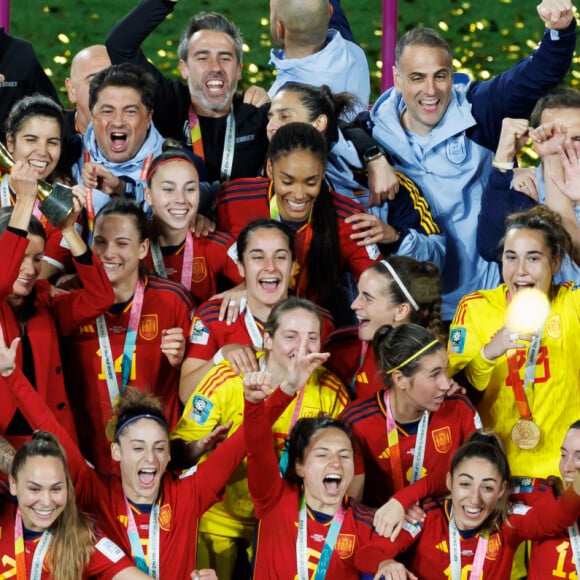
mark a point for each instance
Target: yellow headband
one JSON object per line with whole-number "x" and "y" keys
{"x": 412, "y": 357}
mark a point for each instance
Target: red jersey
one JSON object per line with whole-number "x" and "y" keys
{"x": 448, "y": 428}
{"x": 243, "y": 201}
{"x": 208, "y": 333}
{"x": 214, "y": 259}
{"x": 52, "y": 316}
{"x": 106, "y": 560}
{"x": 277, "y": 505}
{"x": 430, "y": 541}
{"x": 362, "y": 377}
{"x": 165, "y": 305}
{"x": 182, "y": 498}
{"x": 549, "y": 557}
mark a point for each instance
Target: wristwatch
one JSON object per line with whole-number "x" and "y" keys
{"x": 372, "y": 153}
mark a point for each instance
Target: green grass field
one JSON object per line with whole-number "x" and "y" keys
{"x": 487, "y": 37}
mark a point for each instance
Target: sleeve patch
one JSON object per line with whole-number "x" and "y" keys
{"x": 199, "y": 333}
{"x": 457, "y": 340}
{"x": 109, "y": 549}
{"x": 413, "y": 529}
{"x": 520, "y": 509}
{"x": 201, "y": 409}
{"x": 189, "y": 472}
{"x": 233, "y": 252}
{"x": 522, "y": 485}
{"x": 477, "y": 421}
{"x": 373, "y": 251}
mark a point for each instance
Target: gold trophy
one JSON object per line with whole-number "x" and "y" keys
{"x": 56, "y": 201}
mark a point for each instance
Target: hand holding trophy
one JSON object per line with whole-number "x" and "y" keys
{"x": 56, "y": 201}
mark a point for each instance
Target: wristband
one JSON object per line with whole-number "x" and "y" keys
{"x": 218, "y": 357}
{"x": 503, "y": 166}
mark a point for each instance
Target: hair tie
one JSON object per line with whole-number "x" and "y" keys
{"x": 412, "y": 357}
{"x": 400, "y": 284}
{"x": 121, "y": 425}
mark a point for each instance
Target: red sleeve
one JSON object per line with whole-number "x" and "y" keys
{"x": 73, "y": 309}
{"x": 549, "y": 518}
{"x": 432, "y": 485}
{"x": 107, "y": 560}
{"x": 222, "y": 263}
{"x": 40, "y": 416}
{"x": 12, "y": 249}
{"x": 264, "y": 479}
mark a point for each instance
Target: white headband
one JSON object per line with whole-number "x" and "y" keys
{"x": 400, "y": 284}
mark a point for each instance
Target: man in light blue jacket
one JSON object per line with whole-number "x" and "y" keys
{"x": 443, "y": 136}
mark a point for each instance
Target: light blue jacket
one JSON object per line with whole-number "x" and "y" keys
{"x": 453, "y": 163}
{"x": 341, "y": 64}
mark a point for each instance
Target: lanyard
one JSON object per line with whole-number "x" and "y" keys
{"x": 520, "y": 389}
{"x": 363, "y": 353}
{"x": 39, "y": 553}
{"x": 327, "y": 550}
{"x": 394, "y": 448}
{"x": 575, "y": 543}
{"x": 89, "y": 203}
{"x": 153, "y": 544}
{"x": 186, "y": 267}
{"x": 455, "y": 553}
{"x": 128, "y": 348}
{"x": 229, "y": 142}
{"x": 283, "y": 464}
{"x": 253, "y": 330}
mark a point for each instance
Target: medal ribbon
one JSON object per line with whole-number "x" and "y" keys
{"x": 327, "y": 550}
{"x": 186, "y": 267}
{"x": 520, "y": 388}
{"x": 89, "y": 203}
{"x": 229, "y": 142}
{"x": 39, "y": 553}
{"x": 455, "y": 553}
{"x": 128, "y": 348}
{"x": 363, "y": 353}
{"x": 394, "y": 447}
{"x": 253, "y": 330}
{"x": 575, "y": 543}
{"x": 153, "y": 544}
{"x": 283, "y": 464}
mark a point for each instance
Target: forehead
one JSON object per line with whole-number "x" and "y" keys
{"x": 477, "y": 468}
{"x": 299, "y": 162}
{"x": 147, "y": 430}
{"x": 89, "y": 65}
{"x": 434, "y": 360}
{"x": 525, "y": 240}
{"x": 41, "y": 469}
{"x": 212, "y": 41}
{"x": 114, "y": 95}
{"x": 115, "y": 224}
{"x": 272, "y": 237}
{"x": 298, "y": 319}
{"x": 329, "y": 438}
{"x": 373, "y": 282}
{"x": 572, "y": 441}
{"x": 175, "y": 171}
{"x": 287, "y": 100}
{"x": 423, "y": 58}
{"x": 39, "y": 125}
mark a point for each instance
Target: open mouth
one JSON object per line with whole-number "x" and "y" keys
{"x": 332, "y": 483}
{"x": 269, "y": 285}
{"x": 44, "y": 514}
{"x": 215, "y": 86}
{"x": 110, "y": 266}
{"x": 297, "y": 206}
{"x": 472, "y": 512}
{"x": 146, "y": 476}
{"x": 38, "y": 165}
{"x": 430, "y": 105}
{"x": 118, "y": 141}
{"x": 523, "y": 286}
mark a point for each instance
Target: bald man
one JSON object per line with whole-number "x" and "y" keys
{"x": 309, "y": 52}
{"x": 84, "y": 66}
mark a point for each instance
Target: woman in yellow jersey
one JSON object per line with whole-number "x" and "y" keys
{"x": 219, "y": 399}
{"x": 529, "y": 383}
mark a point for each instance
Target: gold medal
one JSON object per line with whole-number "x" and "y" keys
{"x": 526, "y": 434}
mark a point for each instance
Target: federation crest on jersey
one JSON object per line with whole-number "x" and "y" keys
{"x": 165, "y": 517}
{"x": 201, "y": 409}
{"x": 553, "y": 326}
{"x": 199, "y": 270}
{"x": 148, "y": 326}
{"x": 199, "y": 333}
{"x": 345, "y": 545}
{"x": 442, "y": 439}
{"x": 493, "y": 547}
{"x": 455, "y": 149}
